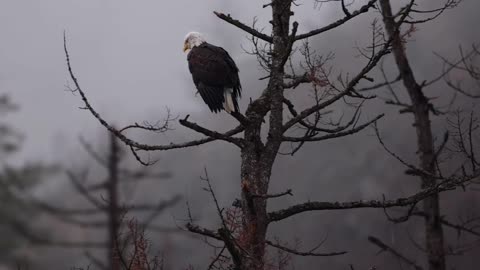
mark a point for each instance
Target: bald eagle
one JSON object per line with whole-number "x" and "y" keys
{"x": 214, "y": 73}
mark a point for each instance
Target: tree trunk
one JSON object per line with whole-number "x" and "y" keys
{"x": 255, "y": 222}
{"x": 257, "y": 157}
{"x": 113, "y": 208}
{"x": 434, "y": 240}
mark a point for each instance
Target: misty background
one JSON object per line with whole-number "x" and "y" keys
{"x": 128, "y": 58}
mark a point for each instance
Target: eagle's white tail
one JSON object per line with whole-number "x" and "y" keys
{"x": 228, "y": 104}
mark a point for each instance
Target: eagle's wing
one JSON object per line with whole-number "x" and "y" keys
{"x": 212, "y": 65}
{"x": 237, "y": 87}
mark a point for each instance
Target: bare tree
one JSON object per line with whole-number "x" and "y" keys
{"x": 398, "y": 30}
{"x": 244, "y": 234}
{"x": 113, "y": 206}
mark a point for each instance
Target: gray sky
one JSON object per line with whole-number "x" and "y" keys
{"x": 127, "y": 55}
{"x": 128, "y": 58}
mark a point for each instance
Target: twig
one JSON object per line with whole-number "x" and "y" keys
{"x": 397, "y": 254}
{"x": 300, "y": 253}
{"x": 243, "y": 26}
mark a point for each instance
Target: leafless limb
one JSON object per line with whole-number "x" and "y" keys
{"x": 464, "y": 129}
{"x": 310, "y": 253}
{"x": 336, "y": 24}
{"x": 212, "y": 134}
{"x": 449, "y": 4}
{"x": 217, "y": 258}
{"x": 467, "y": 65}
{"x": 348, "y": 89}
{"x": 442, "y": 186}
{"x": 202, "y": 231}
{"x": 297, "y": 80}
{"x": 380, "y": 85}
{"x": 394, "y": 252}
{"x": 312, "y": 137}
{"x": 157, "y": 127}
{"x": 271, "y": 196}
{"x": 127, "y": 175}
{"x": 457, "y": 227}
{"x": 82, "y": 190}
{"x": 243, "y": 26}
{"x": 231, "y": 244}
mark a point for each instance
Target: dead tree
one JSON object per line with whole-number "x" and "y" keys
{"x": 284, "y": 123}
{"x": 112, "y": 206}
{"x": 420, "y": 108}
{"x": 398, "y": 30}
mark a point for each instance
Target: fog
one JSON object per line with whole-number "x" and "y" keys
{"x": 128, "y": 58}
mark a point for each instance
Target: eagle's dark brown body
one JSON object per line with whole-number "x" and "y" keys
{"x": 215, "y": 75}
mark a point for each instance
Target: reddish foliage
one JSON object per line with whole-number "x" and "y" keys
{"x": 139, "y": 246}
{"x": 234, "y": 221}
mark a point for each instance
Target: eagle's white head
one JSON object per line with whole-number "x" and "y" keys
{"x": 193, "y": 39}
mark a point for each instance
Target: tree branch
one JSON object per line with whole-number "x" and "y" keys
{"x": 243, "y": 26}
{"x": 445, "y": 185}
{"x": 202, "y": 231}
{"x": 271, "y": 196}
{"x": 333, "y": 25}
{"x": 212, "y": 134}
{"x": 333, "y": 135}
{"x": 348, "y": 89}
{"x": 447, "y": 223}
{"x": 397, "y": 254}
{"x": 84, "y": 192}
{"x": 307, "y": 253}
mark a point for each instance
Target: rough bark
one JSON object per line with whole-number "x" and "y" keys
{"x": 420, "y": 107}
{"x": 257, "y": 157}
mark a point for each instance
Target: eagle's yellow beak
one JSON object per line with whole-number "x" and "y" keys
{"x": 185, "y": 47}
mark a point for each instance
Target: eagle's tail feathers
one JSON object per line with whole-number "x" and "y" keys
{"x": 228, "y": 103}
